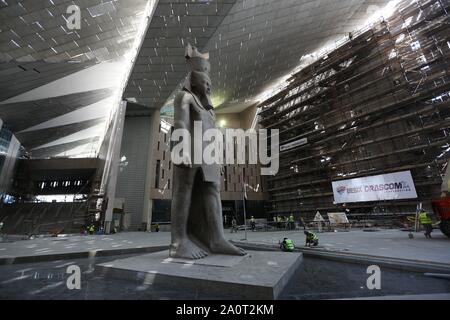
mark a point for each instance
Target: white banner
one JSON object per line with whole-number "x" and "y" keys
{"x": 393, "y": 186}
{"x": 337, "y": 217}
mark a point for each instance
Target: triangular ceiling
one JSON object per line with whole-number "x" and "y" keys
{"x": 252, "y": 44}
{"x": 34, "y": 139}
{"x": 49, "y": 71}
{"x": 62, "y": 149}
{"x": 22, "y": 115}
{"x": 17, "y": 78}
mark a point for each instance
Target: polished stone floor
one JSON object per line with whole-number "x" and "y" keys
{"x": 384, "y": 243}
{"x": 315, "y": 279}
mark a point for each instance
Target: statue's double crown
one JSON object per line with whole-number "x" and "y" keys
{"x": 197, "y": 61}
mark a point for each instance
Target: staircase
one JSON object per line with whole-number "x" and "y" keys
{"x": 44, "y": 218}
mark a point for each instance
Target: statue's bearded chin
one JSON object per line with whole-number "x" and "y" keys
{"x": 205, "y": 99}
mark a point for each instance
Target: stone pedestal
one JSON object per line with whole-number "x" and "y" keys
{"x": 258, "y": 275}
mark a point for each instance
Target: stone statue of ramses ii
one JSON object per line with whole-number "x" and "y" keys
{"x": 197, "y": 229}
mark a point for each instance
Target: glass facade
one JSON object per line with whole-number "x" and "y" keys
{"x": 5, "y": 140}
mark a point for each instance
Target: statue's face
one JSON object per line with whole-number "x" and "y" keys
{"x": 201, "y": 83}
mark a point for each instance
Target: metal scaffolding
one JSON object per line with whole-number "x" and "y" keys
{"x": 377, "y": 104}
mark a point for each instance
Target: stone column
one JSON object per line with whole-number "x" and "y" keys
{"x": 114, "y": 157}
{"x": 150, "y": 174}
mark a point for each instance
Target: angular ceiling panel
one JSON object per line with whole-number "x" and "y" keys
{"x": 160, "y": 65}
{"x": 36, "y": 138}
{"x": 54, "y": 151}
{"x": 38, "y": 30}
{"x": 252, "y": 44}
{"x": 255, "y": 44}
{"x": 258, "y": 43}
{"x": 17, "y": 78}
{"x": 22, "y": 115}
{"x": 38, "y": 50}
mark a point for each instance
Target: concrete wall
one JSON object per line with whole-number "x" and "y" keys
{"x": 231, "y": 120}
{"x": 231, "y": 182}
{"x": 161, "y": 170}
{"x": 247, "y": 116}
{"x": 137, "y": 168}
{"x": 242, "y": 120}
{"x": 111, "y": 163}
{"x": 133, "y": 171}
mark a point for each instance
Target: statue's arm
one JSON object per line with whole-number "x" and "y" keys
{"x": 182, "y": 110}
{"x": 182, "y": 105}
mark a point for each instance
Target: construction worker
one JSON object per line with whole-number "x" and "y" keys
{"x": 287, "y": 245}
{"x": 234, "y": 225}
{"x": 278, "y": 222}
{"x": 311, "y": 239}
{"x": 291, "y": 222}
{"x": 101, "y": 231}
{"x": 253, "y": 223}
{"x": 427, "y": 223}
{"x": 225, "y": 220}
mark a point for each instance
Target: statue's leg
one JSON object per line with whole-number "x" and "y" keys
{"x": 213, "y": 211}
{"x": 182, "y": 246}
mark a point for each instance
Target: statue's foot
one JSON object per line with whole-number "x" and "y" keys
{"x": 186, "y": 249}
{"x": 225, "y": 247}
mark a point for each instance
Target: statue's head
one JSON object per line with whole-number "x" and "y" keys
{"x": 200, "y": 83}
